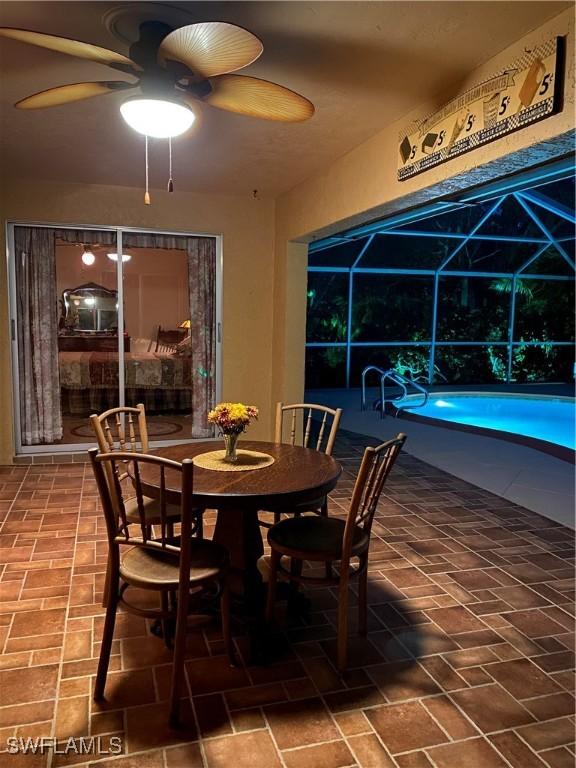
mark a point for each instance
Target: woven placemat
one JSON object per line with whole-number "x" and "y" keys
{"x": 247, "y": 460}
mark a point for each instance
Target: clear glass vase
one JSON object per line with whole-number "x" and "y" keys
{"x": 230, "y": 441}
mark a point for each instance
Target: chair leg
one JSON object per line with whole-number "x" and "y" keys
{"x": 107, "y": 636}
{"x": 178, "y": 661}
{"x": 324, "y": 508}
{"x": 277, "y": 517}
{"x": 272, "y": 582}
{"x": 106, "y": 592}
{"x": 296, "y": 572}
{"x": 200, "y": 524}
{"x": 342, "y": 647}
{"x": 328, "y": 568}
{"x": 363, "y": 600}
{"x": 226, "y": 624}
{"x": 166, "y": 627}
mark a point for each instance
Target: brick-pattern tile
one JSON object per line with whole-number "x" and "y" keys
{"x": 469, "y": 660}
{"x": 405, "y": 727}
{"x": 474, "y": 752}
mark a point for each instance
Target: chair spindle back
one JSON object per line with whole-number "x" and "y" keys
{"x": 121, "y": 429}
{"x": 167, "y": 339}
{"x": 376, "y": 465}
{"x": 302, "y": 423}
{"x": 109, "y": 470}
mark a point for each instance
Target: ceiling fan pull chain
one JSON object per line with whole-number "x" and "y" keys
{"x": 146, "y": 193}
{"x": 170, "y": 181}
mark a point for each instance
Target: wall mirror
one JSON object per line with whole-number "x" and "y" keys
{"x": 89, "y": 308}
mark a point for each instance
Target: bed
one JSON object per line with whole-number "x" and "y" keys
{"x": 89, "y": 381}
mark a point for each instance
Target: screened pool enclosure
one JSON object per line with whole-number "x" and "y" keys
{"x": 474, "y": 291}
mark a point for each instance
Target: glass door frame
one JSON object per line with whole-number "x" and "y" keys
{"x": 27, "y": 450}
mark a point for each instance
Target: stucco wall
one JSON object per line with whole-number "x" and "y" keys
{"x": 248, "y": 272}
{"x": 360, "y": 185}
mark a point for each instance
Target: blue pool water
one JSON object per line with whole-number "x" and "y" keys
{"x": 544, "y": 418}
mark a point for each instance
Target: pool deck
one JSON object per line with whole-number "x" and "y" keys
{"x": 535, "y": 480}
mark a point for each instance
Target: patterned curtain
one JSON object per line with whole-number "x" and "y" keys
{"x": 87, "y": 236}
{"x": 40, "y": 410}
{"x": 150, "y": 240}
{"x": 202, "y": 285}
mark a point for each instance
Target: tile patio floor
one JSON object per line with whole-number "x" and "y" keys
{"x": 467, "y": 664}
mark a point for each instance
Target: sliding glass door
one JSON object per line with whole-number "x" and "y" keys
{"x": 170, "y": 306}
{"x": 106, "y": 317}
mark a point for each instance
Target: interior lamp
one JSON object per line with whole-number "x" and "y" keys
{"x": 114, "y": 257}
{"x": 88, "y": 257}
{"x": 185, "y": 324}
{"x": 159, "y": 118}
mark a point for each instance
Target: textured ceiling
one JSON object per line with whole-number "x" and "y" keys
{"x": 363, "y": 65}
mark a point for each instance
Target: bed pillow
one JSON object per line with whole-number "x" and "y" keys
{"x": 184, "y": 348}
{"x": 140, "y": 346}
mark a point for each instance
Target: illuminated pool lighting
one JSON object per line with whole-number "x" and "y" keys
{"x": 542, "y": 417}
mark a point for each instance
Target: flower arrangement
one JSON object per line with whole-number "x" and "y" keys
{"x": 232, "y": 418}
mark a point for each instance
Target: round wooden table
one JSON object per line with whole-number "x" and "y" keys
{"x": 297, "y": 476}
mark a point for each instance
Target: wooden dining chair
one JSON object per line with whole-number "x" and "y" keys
{"x": 121, "y": 429}
{"x": 329, "y": 540}
{"x": 296, "y": 425}
{"x": 169, "y": 565}
{"x": 125, "y": 429}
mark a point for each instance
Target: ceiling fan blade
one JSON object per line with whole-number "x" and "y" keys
{"x": 72, "y": 48}
{"x": 258, "y": 98}
{"x": 64, "y": 94}
{"x": 211, "y": 48}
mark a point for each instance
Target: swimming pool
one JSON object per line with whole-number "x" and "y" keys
{"x": 537, "y": 417}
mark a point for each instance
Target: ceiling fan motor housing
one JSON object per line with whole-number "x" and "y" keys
{"x": 145, "y": 50}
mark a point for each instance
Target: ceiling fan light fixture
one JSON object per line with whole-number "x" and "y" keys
{"x": 114, "y": 257}
{"x": 159, "y": 118}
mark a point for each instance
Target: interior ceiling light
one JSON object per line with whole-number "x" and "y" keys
{"x": 88, "y": 257}
{"x": 114, "y": 257}
{"x": 160, "y": 118}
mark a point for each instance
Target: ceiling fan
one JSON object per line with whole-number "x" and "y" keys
{"x": 175, "y": 69}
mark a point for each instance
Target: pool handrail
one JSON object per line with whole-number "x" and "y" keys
{"x": 364, "y": 373}
{"x": 401, "y": 381}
